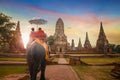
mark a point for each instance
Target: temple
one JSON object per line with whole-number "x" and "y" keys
{"x": 79, "y": 45}
{"x": 61, "y": 44}
{"x": 19, "y": 41}
{"x": 16, "y": 41}
{"x": 72, "y": 45}
{"x": 60, "y": 39}
{"x": 87, "y": 44}
{"x": 102, "y": 44}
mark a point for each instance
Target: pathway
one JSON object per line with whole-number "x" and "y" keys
{"x": 62, "y": 61}
{"x": 60, "y": 72}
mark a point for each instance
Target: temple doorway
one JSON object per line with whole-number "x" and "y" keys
{"x": 60, "y": 49}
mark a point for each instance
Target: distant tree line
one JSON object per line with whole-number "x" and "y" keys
{"x": 115, "y": 48}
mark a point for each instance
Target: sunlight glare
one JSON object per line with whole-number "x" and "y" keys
{"x": 25, "y": 38}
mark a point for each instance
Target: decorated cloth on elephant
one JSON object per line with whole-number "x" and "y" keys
{"x": 41, "y": 42}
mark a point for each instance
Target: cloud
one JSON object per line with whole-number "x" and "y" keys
{"x": 67, "y": 17}
{"x": 112, "y": 20}
{"x": 87, "y": 18}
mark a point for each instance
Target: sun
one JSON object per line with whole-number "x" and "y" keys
{"x": 25, "y": 38}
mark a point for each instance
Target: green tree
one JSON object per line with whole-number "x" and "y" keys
{"x": 112, "y": 46}
{"x": 117, "y": 48}
{"x": 50, "y": 40}
{"x": 6, "y": 27}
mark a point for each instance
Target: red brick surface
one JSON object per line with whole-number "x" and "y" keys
{"x": 60, "y": 72}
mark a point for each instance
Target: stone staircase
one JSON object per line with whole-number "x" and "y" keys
{"x": 115, "y": 73}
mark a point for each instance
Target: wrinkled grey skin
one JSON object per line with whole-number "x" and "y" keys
{"x": 36, "y": 60}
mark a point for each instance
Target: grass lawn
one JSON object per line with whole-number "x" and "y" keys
{"x": 85, "y": 54}
{"x": 92, "y": 54}
{"x": 100, "y": 60}
{"x": 67, "y": 59}
{"x": 12, "y": 69}
{"x": 55, "y": 60}
{"x": 12, "y": 59}
{"x": 93, "y": 72}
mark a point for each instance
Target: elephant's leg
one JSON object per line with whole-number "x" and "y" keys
{"x": 43, "y": 66}
{"x": 35, "y": 70}
{"x": 30, "y": 66}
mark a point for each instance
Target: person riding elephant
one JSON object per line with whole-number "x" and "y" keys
{"x": 31, "y": 36}
{"x": 40, "y": 34}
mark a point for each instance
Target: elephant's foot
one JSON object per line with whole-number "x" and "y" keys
{"x": 42, "y": 78}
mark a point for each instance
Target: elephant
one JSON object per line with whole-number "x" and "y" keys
{"x": 36, "y": 60}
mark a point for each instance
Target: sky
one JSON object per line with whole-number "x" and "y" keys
{"x": 79, "y": 17}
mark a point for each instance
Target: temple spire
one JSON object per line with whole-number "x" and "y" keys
{"x": 87, "y": 36}
{"x": 59, "y": 26}
{"x": 102, "y": 42}
{"x": 60, "y": 39}
{"x": 101, "y": 27}
{"x": 79, "y": 44}
{"x": 101, "y": 33}
{"x": 19, "y": 41}
{"x": 73, "y": 45}
{"x": 18, "y": 27}
{"x": 87, "y": 44}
